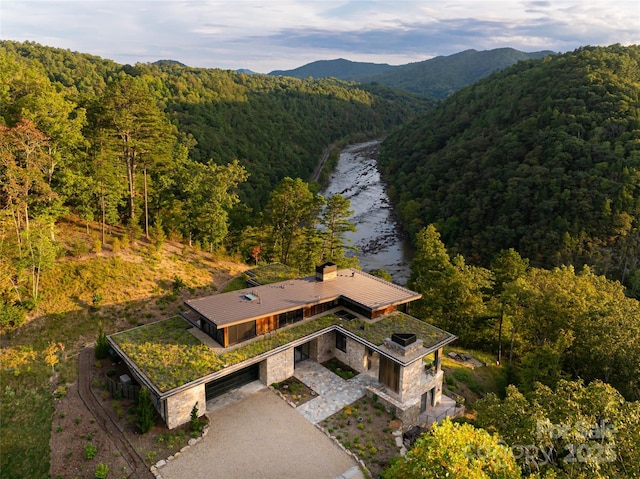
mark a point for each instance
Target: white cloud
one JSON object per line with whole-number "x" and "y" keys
{"x": 280, "y": 34}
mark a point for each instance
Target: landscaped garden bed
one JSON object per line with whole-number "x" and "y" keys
{"x": 295, "y": 391}
{"x": 365, "y": 428}
{"x": 340, "y": 368}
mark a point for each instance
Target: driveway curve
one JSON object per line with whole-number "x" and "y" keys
{"x": 261, "y": 436}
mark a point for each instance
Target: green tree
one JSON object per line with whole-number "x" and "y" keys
{"x": 571, "y": 431}
{"x": 138, "y": 129}
{"x": 456, "y": 450}
{"x": 292, "y": 211}
{"x": 454, "y": 294}
{"x": 506, "y": 266}
{"x": 209, "y": 194}
{"x": 335, "y": 223}
{"x": 145, "y": 412}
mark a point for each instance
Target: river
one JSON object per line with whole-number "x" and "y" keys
{"x": 378, "y": 235}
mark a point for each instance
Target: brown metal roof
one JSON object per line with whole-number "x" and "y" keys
{"x": 252, "y": 303}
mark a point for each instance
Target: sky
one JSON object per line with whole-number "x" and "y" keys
{"x": 268, "y": 35}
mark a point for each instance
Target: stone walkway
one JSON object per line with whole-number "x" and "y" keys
{"x": 334, "y": 393}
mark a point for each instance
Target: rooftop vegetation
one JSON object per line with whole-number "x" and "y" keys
{"x": 396, "y": 323}
{"x": 272, "y": 273}
{"x": 170, "y": 356}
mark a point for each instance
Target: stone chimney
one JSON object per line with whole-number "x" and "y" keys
{"x": 326, "y": 272}
{"x": 403, "y": 343}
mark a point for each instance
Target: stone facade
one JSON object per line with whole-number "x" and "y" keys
{"x": 277, "y": 368}
{"x": 179, "y": 405}
{"x": 411, "y": 384}
{"x": 322, "y": 348}
{"x": 355, "y": 356}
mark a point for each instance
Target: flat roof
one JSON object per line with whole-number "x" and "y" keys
{"x": 248, "y": 304}
{"x": 167, "y": 355}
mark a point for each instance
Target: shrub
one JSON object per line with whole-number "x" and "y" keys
{"x": 145, "y": 412}
{"x": 90, "y": 451}
{"x": 97, "y": 246}
{"x": 178, "y": 284}
{"x": 157, "y": 234}
{"x": 196, "y": 423}
{"x": 101, "y": 471}
{"x": 96, "y": 300}
{"x": 11, "y": 316}
{"x": 101, "y": 350}
{"x": 116, "y": 245}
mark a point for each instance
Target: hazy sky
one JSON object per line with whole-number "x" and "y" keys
{"x": 283, "y": 34}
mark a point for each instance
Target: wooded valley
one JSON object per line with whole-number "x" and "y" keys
{"x": 126, "y": 189}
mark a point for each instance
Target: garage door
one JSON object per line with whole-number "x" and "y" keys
{"x": 232, "y": 381}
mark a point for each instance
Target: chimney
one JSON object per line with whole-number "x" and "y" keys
{"x": 326, "y": 272}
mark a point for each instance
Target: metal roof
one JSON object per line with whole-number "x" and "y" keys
{"x": 252, "y": 303}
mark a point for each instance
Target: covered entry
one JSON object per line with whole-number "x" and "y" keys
{"x": 231, "y": 381}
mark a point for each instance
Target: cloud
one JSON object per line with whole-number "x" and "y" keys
{"x": 280, "y": 34}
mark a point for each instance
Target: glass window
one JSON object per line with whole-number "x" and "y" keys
{"x": 341, "y": 342}
{"x": 240, "y": 332}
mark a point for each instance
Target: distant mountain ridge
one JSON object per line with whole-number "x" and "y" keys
{"x": 340, "y": 68}
{"x": 435, "y": 78}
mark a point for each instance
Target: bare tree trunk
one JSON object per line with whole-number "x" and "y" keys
{"x": 500, "y": 336}
{"x": 146, "y": 206}
{"x": 104, "y": 214}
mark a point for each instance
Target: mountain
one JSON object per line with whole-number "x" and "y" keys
{"x": 246, "y": 71}
{"x": 161, "y": 63}
{"x": 434, "y": 78}
{"x": 340, "y": 68}
{"x": 443, "y": 75}
{"x": 543, "y": 156}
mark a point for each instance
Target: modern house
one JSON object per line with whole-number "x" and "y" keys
{"x": 261, "y": 333}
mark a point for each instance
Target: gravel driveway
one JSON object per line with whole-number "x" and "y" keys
{"x": 261, "y": 437}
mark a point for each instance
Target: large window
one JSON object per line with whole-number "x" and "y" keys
{"x": 290, "y": 317}
{"x": 389, "y": 374}
{"x": 240, "y": 332}
{"x": 341, "y": 342}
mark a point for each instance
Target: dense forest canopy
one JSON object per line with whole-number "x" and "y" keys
{"x": 434, "y": 78}
{"x": 160, "y": 149}
{"x": 543, "y": 157}
{"x": 274, "y": 126}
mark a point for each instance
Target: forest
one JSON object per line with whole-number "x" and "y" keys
{"x": 521, "y": 194}
{"x": 543, "y": 157}
{"x": 159, "y": 150}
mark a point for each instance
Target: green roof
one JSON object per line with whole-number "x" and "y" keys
{"x": 170, "y": 356}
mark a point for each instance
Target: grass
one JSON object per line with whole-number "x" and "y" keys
{"x": 273, "y": 273}
{"x": 26, "y": 406}
{"x": 129, "y": 283}
{"x": 473, "y": 384}
{"x": 376, "y": 332}
{"x": 170, "y": 356}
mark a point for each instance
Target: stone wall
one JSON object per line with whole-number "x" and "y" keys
{"x": 277, "y": 368}
{"x": 355, "y": 357}
{"x": 179, "y": 405}
{"x": 411, "y": 384}
{"x": 322, "y": 348}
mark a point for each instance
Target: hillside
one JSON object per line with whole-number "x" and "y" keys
{"x": 217, "y": 115}
{"x": 121, "y": 285}
{"x": 543, "y": 157}
{"x": 443, "y": 75}
{"x": 434, "y": 78}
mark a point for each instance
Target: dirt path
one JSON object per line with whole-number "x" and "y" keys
{"x": 325, "y": 156}
{"x": 104, "y": 420}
